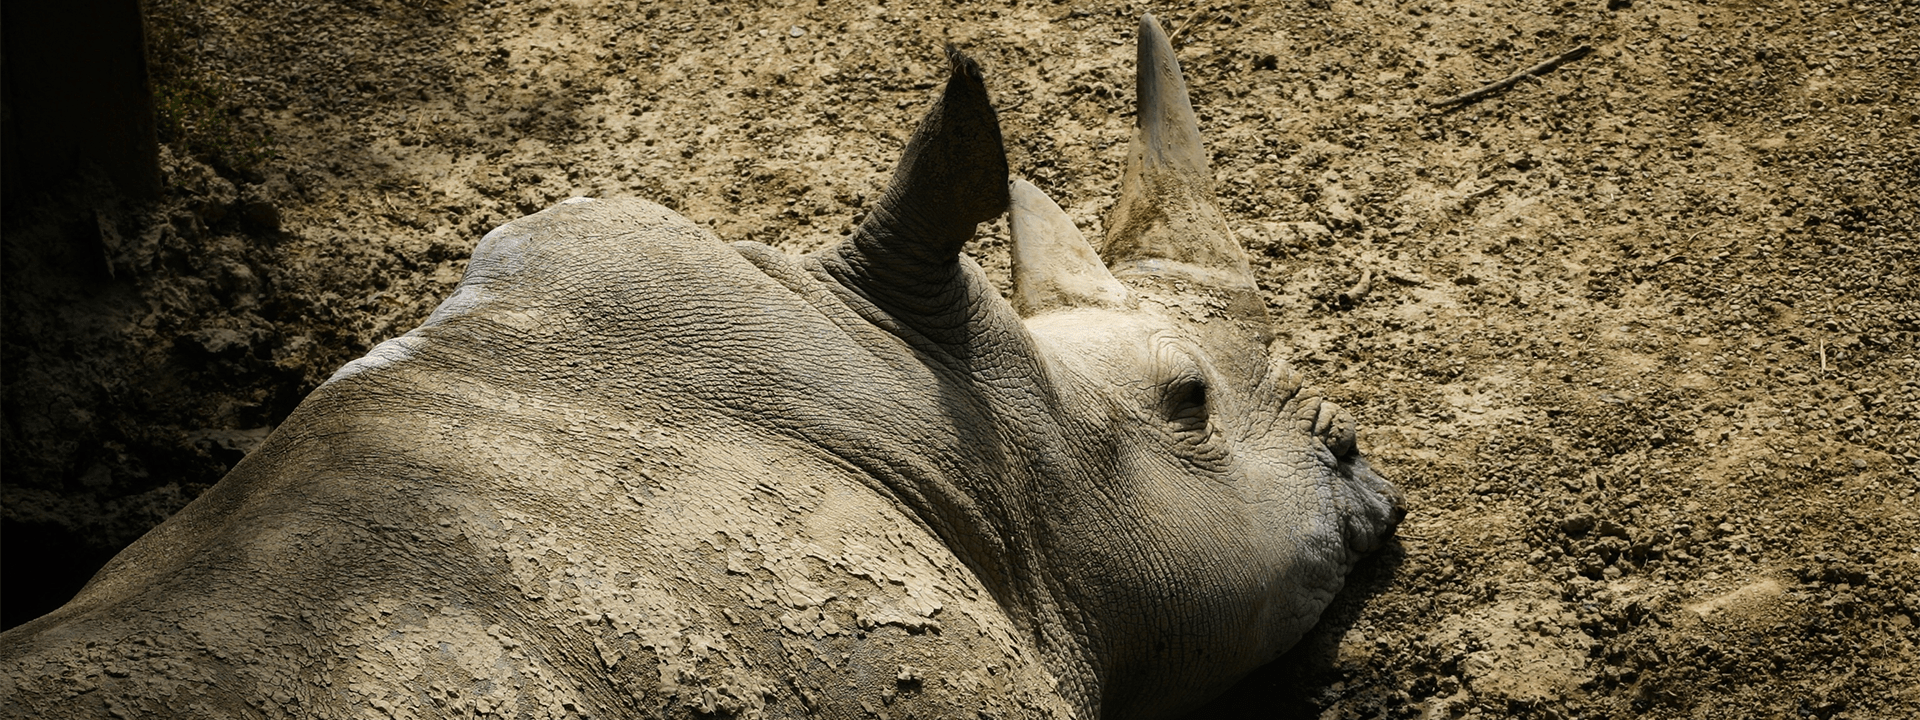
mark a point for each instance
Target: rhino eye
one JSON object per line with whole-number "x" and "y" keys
{"x": 1187, "y": 407}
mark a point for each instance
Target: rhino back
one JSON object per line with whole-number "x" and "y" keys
{"x": 559, "y": 495}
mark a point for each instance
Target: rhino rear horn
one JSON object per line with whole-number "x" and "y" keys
{"x": 951, "y": 177}
{"x": 1053, "y": 266}
{"x": 1165, "y": 220}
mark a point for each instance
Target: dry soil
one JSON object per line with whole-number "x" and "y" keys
{"x": 1638, "y": 337}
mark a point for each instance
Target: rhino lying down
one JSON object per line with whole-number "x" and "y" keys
{"x": 627, "y": 470}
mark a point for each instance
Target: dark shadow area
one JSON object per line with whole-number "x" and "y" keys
{"x": 1307, "y": 679}
{"x": 46, "y": 564}
{"x": 111, "y": 408}
{"x": 150, "y": 337}
{"x": 76, "y": 96}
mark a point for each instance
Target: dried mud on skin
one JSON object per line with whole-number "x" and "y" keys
{"x": 1639, "y": 342}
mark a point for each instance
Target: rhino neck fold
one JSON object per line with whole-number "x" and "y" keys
{"x": 985, "y": 404}
{"x": 929, "y": 303}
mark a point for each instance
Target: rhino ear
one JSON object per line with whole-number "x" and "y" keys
{"x": 1166, "y": 212}
{"x": 1053, "y": 266}
{"x": 951, "y": 177}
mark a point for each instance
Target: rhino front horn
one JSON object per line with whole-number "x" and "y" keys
{"x": 1165, "y": 221}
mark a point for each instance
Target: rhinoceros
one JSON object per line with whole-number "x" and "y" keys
{"x": 629, "y": 470}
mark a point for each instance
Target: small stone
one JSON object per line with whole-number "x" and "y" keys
{"x": 217, "y": 342}
{"x": 260, "y": 216}
{"x": 1610, "y": 528}
{"x": 908, "y": 675}
{"x": 796, "y": 31}
{"x": 1577, "y": 525}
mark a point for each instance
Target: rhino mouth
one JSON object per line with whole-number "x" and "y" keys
{"x": 1371, "y": 508}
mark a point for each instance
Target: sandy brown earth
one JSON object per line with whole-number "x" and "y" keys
{"x": 1639, "y": 338}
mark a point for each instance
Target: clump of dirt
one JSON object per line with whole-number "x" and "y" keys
{"x": 1637, "y": 337}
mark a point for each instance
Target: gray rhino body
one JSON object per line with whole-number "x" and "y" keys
{"x": 628, "y": 470}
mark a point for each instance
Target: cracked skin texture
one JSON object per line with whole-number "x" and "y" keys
{"x": 630, "y": 470}
{"x": 517, "y": 508}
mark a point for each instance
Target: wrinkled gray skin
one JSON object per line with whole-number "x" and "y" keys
{"x": 628, "y": 470}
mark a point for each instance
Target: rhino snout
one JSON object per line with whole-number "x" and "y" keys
{"x": 1370, "y": 506}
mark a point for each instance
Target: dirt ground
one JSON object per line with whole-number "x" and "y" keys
{"x": 1640, "y": 338}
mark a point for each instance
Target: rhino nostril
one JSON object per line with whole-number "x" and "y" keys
{"x": 1334, "y": 426}
{"x": 1324, "y": 420}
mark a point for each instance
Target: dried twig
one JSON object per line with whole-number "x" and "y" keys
{"x": 1173, "y": 38}
{"x": 1358, "y": 291}
{"x": 1482, "y": 192}
{"x": 1407, "y": 279}
{"x": 1508, "y": 81}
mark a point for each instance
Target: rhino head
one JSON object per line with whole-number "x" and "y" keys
{"x": 1231, "y": 496}
{"x": 630, "y": 470}
{"x": 1188, "y": 505}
